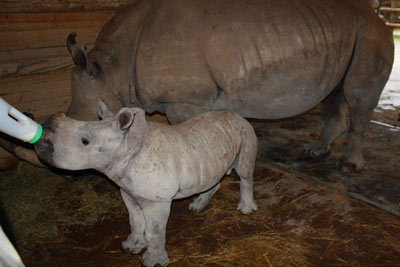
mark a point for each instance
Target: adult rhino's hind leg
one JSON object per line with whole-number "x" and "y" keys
{"x": 363, "y": 84}
{"x": 333, "y": 123}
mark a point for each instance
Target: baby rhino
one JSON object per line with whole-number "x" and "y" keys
{"x": 154, "y": 163}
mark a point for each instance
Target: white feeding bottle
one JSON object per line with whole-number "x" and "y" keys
{"x": 16, "y": 124}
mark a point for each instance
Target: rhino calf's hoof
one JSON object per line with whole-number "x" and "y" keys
{"x": 247, "y": 208}
{"x": 134, "y": 246}
{"x": 155, "y": 259}
{"x": 199, "y": 208}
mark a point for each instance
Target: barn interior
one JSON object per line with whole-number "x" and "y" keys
{"x": 310, "y": 214}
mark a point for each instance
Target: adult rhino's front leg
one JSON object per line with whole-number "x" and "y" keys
{"x": 156, "y": 216}
{"x": 136, "y": 241}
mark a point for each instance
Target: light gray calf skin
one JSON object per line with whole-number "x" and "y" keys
{"x": 154, "y": 163}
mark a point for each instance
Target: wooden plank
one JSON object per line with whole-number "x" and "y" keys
{"x": 389, "y": 9}
{"x": 41, "y": 95}
{"x": 38, "y": 95}
{"x": 43, "y": 109}
{"x": 44, "y": 38}
{"x": 33, "y": 61}
{"x": 26, "y": 54}
{"x": 34, "y": 66}
{"x": 393, "y": 25}
{"x": 23, "y": 84}
{"x": 66, "y": 20}
{"x": 37, "y": 6}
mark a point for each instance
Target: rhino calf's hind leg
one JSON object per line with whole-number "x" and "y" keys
{"x": 333, "y": 123}
{"x": 135, "y": 242}
{"x": 201, "y": 202}
{"x": 244, "y": 167}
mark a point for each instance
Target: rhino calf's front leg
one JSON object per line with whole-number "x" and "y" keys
{"x": 136, "y": 241}
{"x": 156, "y": 216}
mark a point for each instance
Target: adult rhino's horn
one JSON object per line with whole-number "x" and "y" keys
{"x": 80, "y": 57}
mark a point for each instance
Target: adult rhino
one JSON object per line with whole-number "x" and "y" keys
{"x": 261, "y": 58}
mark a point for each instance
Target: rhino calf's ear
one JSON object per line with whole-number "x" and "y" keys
{"x": 126, "y": 117}
{"x": 103, "y": 110}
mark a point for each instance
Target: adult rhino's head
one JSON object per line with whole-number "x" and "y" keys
{"x": 76, "y": 145}
{"x": 94, "y": 76}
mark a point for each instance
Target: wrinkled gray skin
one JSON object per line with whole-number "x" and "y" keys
{"x": 261, "y": 59}
{"x": 154, "y": 163}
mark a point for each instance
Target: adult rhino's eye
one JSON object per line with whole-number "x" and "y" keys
{"x": 85, "y": 141}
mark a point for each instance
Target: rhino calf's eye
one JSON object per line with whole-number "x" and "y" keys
{"x": 85, "y": 141}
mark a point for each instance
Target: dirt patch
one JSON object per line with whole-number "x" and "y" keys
{"x": 299, "y": 223}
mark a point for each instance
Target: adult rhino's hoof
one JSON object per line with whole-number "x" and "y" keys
{"x": 346, "y": 166}
{"x": 317, "y": 153}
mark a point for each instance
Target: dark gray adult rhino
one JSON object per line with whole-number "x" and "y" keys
{"x": 261, "y": 58}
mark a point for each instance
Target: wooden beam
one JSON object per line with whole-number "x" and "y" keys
{"x": 393, "y": 25}
{"x": 42, "y": 21}
{"x": 389, "y": 9}
{"x": 40, "y": 6}
{"x": 44, "y": 38}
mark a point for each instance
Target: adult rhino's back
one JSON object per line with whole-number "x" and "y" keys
{"x": 263, "y": 59}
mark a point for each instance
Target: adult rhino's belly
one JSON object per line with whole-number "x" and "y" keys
{"x": 281, "y": 93}
{"x": 273, "y": 101}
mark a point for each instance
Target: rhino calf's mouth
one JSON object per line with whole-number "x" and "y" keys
{"x": 44, "y": 149}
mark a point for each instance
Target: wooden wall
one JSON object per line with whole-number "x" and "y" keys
{"x": 34, "y": 62}
{"x": 34, "y": 43}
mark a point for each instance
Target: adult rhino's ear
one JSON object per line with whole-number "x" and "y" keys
{"x": 80, "y": 57}
{"x": 103, "y": 110}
